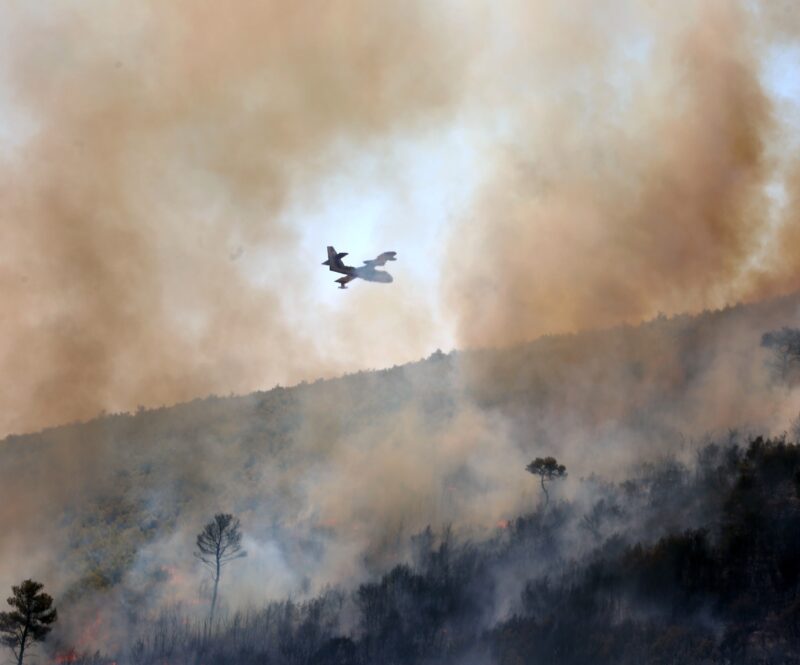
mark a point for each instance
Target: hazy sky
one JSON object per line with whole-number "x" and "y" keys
{"x": 172, "y": 174}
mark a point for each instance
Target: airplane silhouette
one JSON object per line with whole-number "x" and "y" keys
{"x": 367, "y": 271}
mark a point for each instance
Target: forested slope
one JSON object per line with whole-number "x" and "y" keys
{"x": 334, "y": 480}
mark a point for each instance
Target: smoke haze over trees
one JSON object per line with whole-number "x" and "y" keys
{"x": 338, "y": 480}
{"x": 594, "y": 203}
{"x": 695, "y": 564}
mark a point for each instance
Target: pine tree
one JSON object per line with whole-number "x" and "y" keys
{"x": 29, "y": 621}
{"x": 548, "y": 469}
{"x": 219, "y": 543}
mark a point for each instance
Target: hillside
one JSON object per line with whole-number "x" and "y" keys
{"x": 630, "y": 588}
{"x": 332, "y": 479}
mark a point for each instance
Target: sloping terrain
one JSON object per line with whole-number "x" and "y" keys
{"x": 331, "y": 480}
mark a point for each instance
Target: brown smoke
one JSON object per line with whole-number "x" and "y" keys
{"x": 633, "y": 179}
{"x": 168, "y": 139}
{"x": 625, "y": 150}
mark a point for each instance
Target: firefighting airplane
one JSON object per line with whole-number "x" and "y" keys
{"x": 367, "y": 271}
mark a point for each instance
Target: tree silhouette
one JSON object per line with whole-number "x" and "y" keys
{"x": 548, "y": 469}
{"x": 785, "y": 346}
{"x": 30, "y": 619}
{"x": 219, "y": 543}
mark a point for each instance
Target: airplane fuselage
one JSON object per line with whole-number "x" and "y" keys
{"x": 367, "y": 273}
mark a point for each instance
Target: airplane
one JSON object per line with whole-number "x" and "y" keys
{"x": 367, "y": 271}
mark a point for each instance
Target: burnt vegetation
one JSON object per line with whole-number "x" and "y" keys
{"x": 720, "y": 585}
{"x": 691, "y": 557}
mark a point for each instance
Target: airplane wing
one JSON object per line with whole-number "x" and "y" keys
{"x": 381, "y": 259}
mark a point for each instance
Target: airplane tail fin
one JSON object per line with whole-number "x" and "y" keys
{"x": 334, "y": 259}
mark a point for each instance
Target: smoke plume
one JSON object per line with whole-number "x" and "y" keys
{"x": 628, "y": 162}
{"x": 166, "y": 142}
{"x": 630, "y": 179}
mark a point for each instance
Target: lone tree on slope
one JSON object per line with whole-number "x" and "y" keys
{"x": 219, "y": 543}
{"x": 548, "y": 469}
{"x": 30, "y": 619}
{"x": 785, "y": 346}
